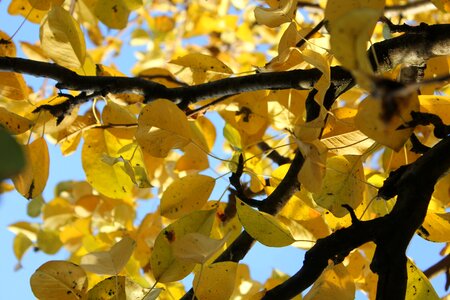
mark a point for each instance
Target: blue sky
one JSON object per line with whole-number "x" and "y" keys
{"x": 15, "y": 284}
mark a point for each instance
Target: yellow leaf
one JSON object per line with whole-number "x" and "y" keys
{"x": 215, "y": 281}
{"x": 274, "y": 17}
{"x": 418, "y": 285}
{"x": 45, "y": 4}
{"x": 202, "y": 62}
{"x": 20, "y": 245}
{"x": 110, "y": 180}
{"x": 185, "y": 195}
{"x": 196, "y": 247}
{"x": 13, "y": 86}
{"x": 313, "y": 170}
{"x": 48, "y": 241}
{"x": 115, "y": 114}
{"x": 7, "y": 47}
{"x": 343, "y": 184}
{"x": 59, "y": 280}
{"x": 164, "y": 264}
{"x": 28, "y": 229}
{"x": 334, "y": 283}
{"x": 443, "y": 5}
{"x": 263, "y": 227}
{"x": 115, "y": 13}
{"x": 120, "y": 287}
{"x": 194, "y": 158}
{"x": 32, "y": 180}
{"x": 435, "y": 104}
{"x": 62, "y": 39}
{"x": 436, "y": 227}
{"x": 33, "y": 52}
{"x": 157, "y": 133}
{"x": 14, "y": 123}
{"x": 369, "y": 122}
{"x": 232, "y": 135}
{"x": 349, "y": 35}
{"x": 24, "y": 8}
{"x": 336, "y": 9}
{"x": 109, "y": 262}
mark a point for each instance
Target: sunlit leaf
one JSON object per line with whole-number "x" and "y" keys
{"x": 274, "y": 17}
{"x": 62, "y": 39}
{"x": 33, "y": 178}
{"x": 215, "y": 281}
{"x": 313, "y": 169}
{"x": 48, "y": 241}
{"x": 24, "y": 8}
{"x": 196, "y": 247}
{"x": 157, "y": 134}
{"x": 13, "y": 122}
{"x": 436, "y": 227}
{"x": 21, "y": 244}
{"x": 263, "y": 227}
{"x": 164, "y": 264}
{"x": 386, "y": 133}
{"x": 334, "y": 283}
{"x": 418, "y": 285}
{"x": 185, "y": 195}
{"x": 343, "y": 184}
{"x": 59, "y": 280}
{"x": 110, "y": 180}
{"x": 202, "y": 62}
{"x": 109, "y": 262}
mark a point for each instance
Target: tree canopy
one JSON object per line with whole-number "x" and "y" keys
{"x": 336, "y": 141}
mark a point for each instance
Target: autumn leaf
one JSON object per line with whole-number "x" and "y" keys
{"x": 185, "y": 195}
{"x": 59, "y": 280}
{"x": 62, "y": 39}
{"x": 109, "y": 262}
{"x": 263, "y": 227}
{"x": 157, "y": 134}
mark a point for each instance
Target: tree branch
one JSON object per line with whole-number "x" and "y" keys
{"x": 391, "y": 233}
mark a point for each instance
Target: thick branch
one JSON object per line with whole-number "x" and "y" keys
{"x": 392, "y": 233}
{"x": 411, "y": 49}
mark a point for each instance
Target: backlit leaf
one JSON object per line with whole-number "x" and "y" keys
{"x": 334, "y": 283}
{"x": 418, "y": 285}
{"x": 24, "y": 8}
{"x": 274, "y": 17}
{"x": 158, "y": 133}
{"x": 215, "y": 281}
{"x": 185, "y": 195}
{"x": 32, "y": 180}
{"x": 110, "y": 180}
{"x": 13, "y": 86}
{"x": 202, "y": 62}
{"x": 110, "y": 262}
{"x": 121, "y": 287}
{"x": 13, "y": 122}
{"x": 313, "y": 170}
{"x": 20, "y": 245}
{"x": 343, "y": 184}
{"x": 436, "y": 227}
{"x": 369, "y": 122}
{"x": 62, "y": 39}
{"x": 48, "y": 241}
{"x": 166, "y": 267}
{"x": 263, "y": 227}
{"x": 196, "y": 247}
{"x": 59, "y": 280}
